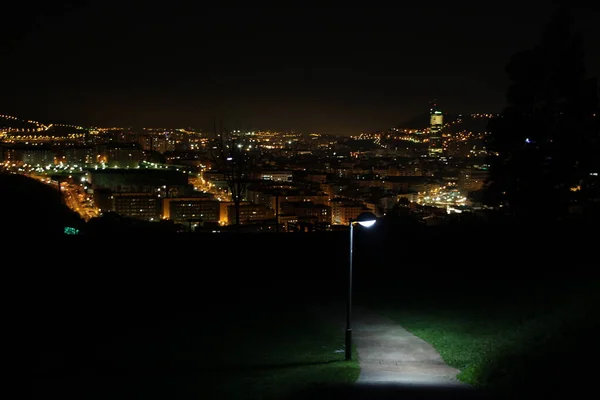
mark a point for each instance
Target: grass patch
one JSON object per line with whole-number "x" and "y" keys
{"x": 524, "y": 340}
{"x": 464, "y": 340}
{"x": 237, "y": 353}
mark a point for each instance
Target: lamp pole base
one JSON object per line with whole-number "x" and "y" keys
{"x": 348, "y": 346}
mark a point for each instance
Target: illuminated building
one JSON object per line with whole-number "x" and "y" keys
{"x": 250, "y": 213}
{"x": 145, "y": 206}
{"x": 181, "y": 210}
{"x": 81, "y": 155}
{"x": 343, "y": 210}
{"x": 436, "y": 122}
{"x": 320, "y": 212}
{"x": 27, "y": 154}
{"x": 138, "y": 180}
{"x": 276, "y": 176}
{"x": 120, "y": 155}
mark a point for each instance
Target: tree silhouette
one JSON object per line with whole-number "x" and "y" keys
{"x": 546, "y": 140}
{"x": 230, "y": 155}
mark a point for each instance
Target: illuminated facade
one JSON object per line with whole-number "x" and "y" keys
{"x": 276, "y": 176}
{"x": 181, "y": 210}
{"x": 143, "y": 206}
{"x": 320, "y": 212}
{"x": 250, "y": 213}
{"x": 343, "y": 210}
{"x": 436, "y": 122}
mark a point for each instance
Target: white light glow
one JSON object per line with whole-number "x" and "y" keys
{"x": 367, "y": 224}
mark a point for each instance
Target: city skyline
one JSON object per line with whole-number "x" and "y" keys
{"x": 301, "y": 203}
{"x": 334, "y": 71}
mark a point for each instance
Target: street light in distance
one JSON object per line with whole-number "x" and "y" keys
{"x": 366, "y": 220}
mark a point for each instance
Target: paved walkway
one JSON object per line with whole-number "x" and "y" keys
{"x": 389, "y": 355}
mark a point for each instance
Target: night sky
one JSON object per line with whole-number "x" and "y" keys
{"x": 328, "y": 70}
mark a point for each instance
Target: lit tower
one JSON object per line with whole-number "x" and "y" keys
{"x": 436, "y": 120}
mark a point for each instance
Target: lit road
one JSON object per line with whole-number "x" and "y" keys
{"x": 200, "y": 184}
{"x": 75, "y": 197}
{"x": 77, "y": 200}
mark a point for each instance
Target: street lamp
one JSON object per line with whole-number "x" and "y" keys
{"x": 366, "y": 220}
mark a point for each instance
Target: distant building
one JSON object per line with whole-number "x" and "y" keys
{"x": 320, "y": 212}
{"x": 276, "y": 176}
{"x": 271, "y": 197}
{"x": 250, "y": 213}
{"x": 343, "y": 210}
{"x": 436, "y": 122}
{"x": 216, "y": 179}
{"x": 122, "y": 155}
{"x": 181, "y": 210}
{"x": 80, "y": 155}
{"x": 401, "y": 184}
{"x": 32, "y": 155}
{"x": 316, "y": 177}
{"x": 160, "y": 143}
{"x": 333, "y": 189}
{"x": 471, "y": 179}
{"x": 145, "y": 206}
{"x": 139, "y": 180}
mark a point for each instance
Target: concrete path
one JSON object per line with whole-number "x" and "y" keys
{"x": 392, "y": 358}
{"x": 389, "y": 353}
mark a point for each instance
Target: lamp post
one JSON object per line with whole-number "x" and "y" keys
{"x": 366, "y": 220}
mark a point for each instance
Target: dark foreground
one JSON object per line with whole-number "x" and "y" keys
{"x": 391, "y": 391}
{"x": 77, "y": 299}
